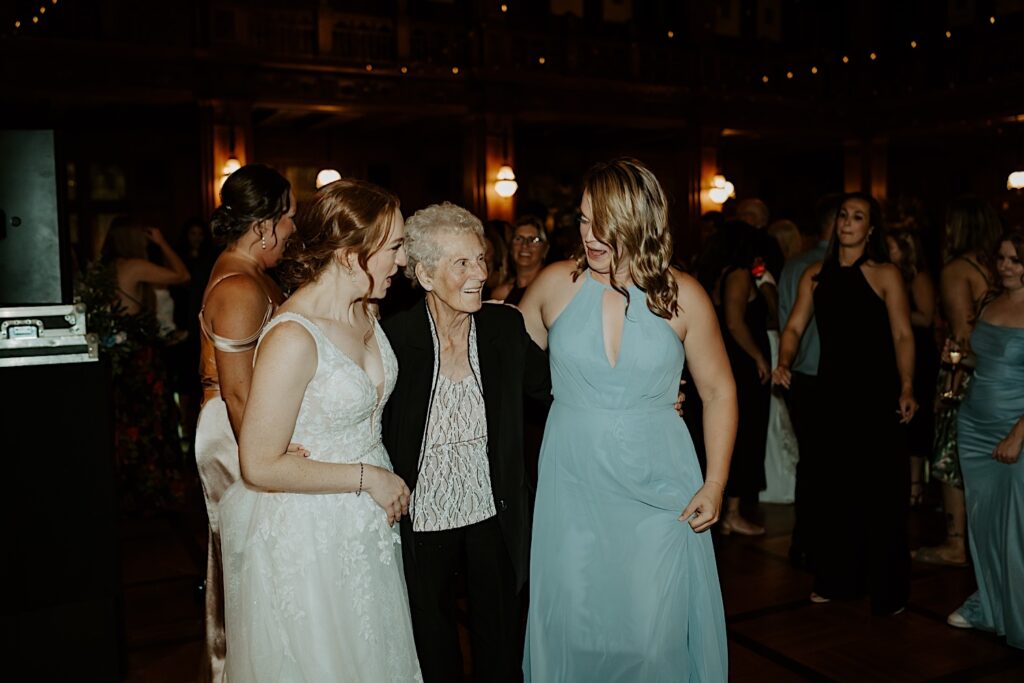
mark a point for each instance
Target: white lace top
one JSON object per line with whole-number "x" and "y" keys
{"x": 454, "y": 485}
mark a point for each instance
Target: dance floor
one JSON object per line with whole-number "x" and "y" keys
{"x": 775, "y": 633}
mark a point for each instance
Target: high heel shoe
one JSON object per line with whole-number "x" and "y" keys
{"x": 745, "y": 528}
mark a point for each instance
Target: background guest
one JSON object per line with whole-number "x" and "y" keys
{"x": 787, "y": 234}
{"x": 804, "y": 393}
{"x": 528, "y": 248}
{"x": 990, "y": 439}
{"x": 971, "y": 236}
{"x": 866, "y": 374}
{"x": 743, "y": 316}
{"x": 151, "y": 470}
{"x": 905, "y": 253}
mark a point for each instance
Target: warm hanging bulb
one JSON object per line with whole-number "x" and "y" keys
{"x": 506, "y": 184}
{"x": 1015, "y": 181}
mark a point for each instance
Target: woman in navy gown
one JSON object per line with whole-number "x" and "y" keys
{"x": 991, "y": 435}
{"x": 622, "y": 586}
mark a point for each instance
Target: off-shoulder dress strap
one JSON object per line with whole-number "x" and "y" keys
{"x": 225, "y": 344}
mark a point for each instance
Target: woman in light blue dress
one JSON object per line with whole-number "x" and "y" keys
{"x": 991, "y": 436}
{"x": 623, "y": 583}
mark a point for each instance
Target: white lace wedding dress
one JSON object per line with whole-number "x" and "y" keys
{"x": 314, "y": 587}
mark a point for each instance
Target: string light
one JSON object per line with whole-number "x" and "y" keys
{"x": 504, "y": 8}
{"x": 404, "y": 69}
{"x": 671, "y": 34}
{"x": 369, "y": 67}
{"x": 873, "y": 56}
{"x": 35, "y": 19}
{"x": 541, "y": 60}
{"x": 455, "y": 70}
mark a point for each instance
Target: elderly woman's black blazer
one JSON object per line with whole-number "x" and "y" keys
{"x": 511, "y": 365}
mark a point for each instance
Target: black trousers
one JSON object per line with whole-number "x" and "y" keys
{"x": 805, "y": 412}
{"x": 478, "y": 554}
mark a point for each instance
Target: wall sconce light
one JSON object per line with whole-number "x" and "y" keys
{"x": 506, "y": 185}
{"x": 230, "y": 166}
{"x": 721, "y": 190}
{"x": 1015, "y": 181}
{"x": 326, "y": 176}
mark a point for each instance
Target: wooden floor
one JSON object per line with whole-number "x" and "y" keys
{"x": 775, "y": 633}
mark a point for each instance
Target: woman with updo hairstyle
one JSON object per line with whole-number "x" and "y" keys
{"x": 312, "y": 560}
{"x": 254, "y": 221}
{"x": 622, "y": 586}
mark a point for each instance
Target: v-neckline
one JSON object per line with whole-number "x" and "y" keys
{"x": 377, "y": 388}
{"x": 622, "y": 333}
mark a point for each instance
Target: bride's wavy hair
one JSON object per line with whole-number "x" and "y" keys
{"x": 348, "y": 214}
{"x": 630, "y": 215}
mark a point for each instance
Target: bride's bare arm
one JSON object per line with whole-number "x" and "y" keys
{"x": 285, "y": 365}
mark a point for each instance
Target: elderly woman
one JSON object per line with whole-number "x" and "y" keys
{"x": 454, "y": 430}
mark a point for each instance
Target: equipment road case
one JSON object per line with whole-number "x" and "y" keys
{"x": 46, "y": 335}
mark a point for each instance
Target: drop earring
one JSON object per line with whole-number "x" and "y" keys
{"x": 263, "y": 241}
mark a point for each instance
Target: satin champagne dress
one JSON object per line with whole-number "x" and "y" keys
{"x": 217, "y": 461}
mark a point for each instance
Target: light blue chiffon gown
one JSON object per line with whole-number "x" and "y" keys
{"x": 620, "y": 590}
{"x": 994, "y": 491}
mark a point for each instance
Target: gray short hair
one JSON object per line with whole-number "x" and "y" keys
{"x": 426, "y": 229}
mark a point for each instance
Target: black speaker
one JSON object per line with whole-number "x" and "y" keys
{"x": 34, "y": 254}
{"x": 61, "y": 611}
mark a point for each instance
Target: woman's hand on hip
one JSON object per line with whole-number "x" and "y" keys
{"x": 1008, "y": 450}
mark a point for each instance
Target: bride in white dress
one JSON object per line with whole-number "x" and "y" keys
{"x": 314, "y": 589}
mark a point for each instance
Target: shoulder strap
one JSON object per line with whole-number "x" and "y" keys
{"x": 226, "y": 344}
{"x": 974, "y": 264}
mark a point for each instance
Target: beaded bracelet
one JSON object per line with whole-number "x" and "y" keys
{"x": 360, "y": 489}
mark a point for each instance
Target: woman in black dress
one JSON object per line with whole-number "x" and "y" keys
{"x": 866, "y": 374}
{"x": 743, "y": 317}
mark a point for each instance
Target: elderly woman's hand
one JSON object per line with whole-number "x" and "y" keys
{"x": 389, "y": 492}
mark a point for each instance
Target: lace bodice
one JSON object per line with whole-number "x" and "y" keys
{"x": 339, "y": 420}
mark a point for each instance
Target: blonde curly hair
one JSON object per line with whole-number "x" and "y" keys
{"x": 630, "y": 215}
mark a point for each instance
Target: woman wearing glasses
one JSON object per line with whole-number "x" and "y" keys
{"x": 528, "y": 250}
